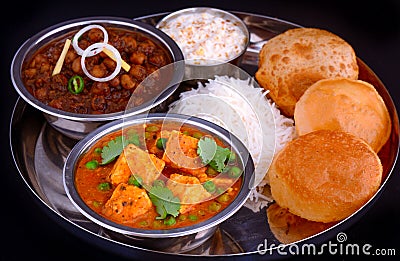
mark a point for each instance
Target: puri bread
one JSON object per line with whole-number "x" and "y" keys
{"x": 325, "y": 175}
{"x": 289, "y": 228}
{"x": 292, "y": 61}
{"x": 341, "y": 104}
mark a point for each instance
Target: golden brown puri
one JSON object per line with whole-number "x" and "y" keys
{"x": 352, "y": 106}
{"x": 292, "y": 61}
{"x": 289, "y": 228}
{"x": 325, "y": 175}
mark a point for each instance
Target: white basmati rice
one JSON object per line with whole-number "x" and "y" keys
{"x": 240, "y": 107}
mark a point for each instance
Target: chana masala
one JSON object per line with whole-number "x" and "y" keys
{"x": 93, "y": 89}
{"x": 153, "y": 176}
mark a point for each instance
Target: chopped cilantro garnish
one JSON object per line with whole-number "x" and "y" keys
{"x": 206, "y": 149}
{"x": 112, "y": 150}
{"x": 218, "y": 162}
{"x": 132, "y": 137}
{"x": 164, "y": 201}
{"x": 212, "y": 154}
{"x": 115, "y": 147}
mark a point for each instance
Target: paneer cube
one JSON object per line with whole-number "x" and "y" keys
{"x": 127, "y": 203}
{"x": 188, "y": 189}
{"x": 181, "y": 152}
{"x": 136, "y": 161}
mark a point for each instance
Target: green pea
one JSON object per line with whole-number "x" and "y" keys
{"x": 197, "y": 135}
{"x": 104, "y": 186}
{"x": 147, "y": 135}
{"x": 232, "y": 157}
{"x": 209, "y": 186}
{"x": 96, "y": 204}
{"x": 214, "y": 206}
{"x": 223, "y": 198}
{"x": 182, "y": 217}
{"x": 161, "y": 143}
{"x": 210, "y": 171}
{"x": 98, "y": 150}
{"x": 143, "y": 223}
{"x": 93, "y": 164}
{"x": 193, "y": 217}
{"x": 152, "y": 128}
{"x": 135, "y": 180}
{"x": 219, "y": 191}
{"x": 226, "y": 169}
{"x": 170, "y": 221}
{"x": 186, "y": 133}
{"x": 235, "y": 172}
{"x": 157, "y": 224}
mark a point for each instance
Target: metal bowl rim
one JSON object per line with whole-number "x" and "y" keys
{"x": 82, "y": 146}
{"x": 30, "y": 44}
{"x": 243, "y": 26}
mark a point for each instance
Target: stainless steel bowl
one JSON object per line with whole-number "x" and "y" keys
{"x": 202, "y": 71}
{"x": 76, "y": 125}
{"x": 177, "y": 239}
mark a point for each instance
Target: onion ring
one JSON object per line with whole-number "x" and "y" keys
{"x": 83, "y": 30}
{"x": 97, "y": 48}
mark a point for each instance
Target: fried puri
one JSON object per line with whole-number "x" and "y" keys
{"x": 292, "y": 61}
{"x": 289, "y": 228}
{"x": 352, "y": 106}
{"x": 325, "y": 175}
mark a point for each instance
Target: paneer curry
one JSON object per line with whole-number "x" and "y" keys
{"x": 153, "y": 176}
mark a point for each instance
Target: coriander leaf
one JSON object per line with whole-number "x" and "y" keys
{"x": 132, "y": 137}
{"x": 206, "y": 148}
{"x": 212, "y": 154}
{"x": 164, "y": 201}
{"x": 218, "y": 161}
{"x": 112, "y": 150}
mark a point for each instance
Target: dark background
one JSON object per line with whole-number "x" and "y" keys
{"x": 28, "y": 232}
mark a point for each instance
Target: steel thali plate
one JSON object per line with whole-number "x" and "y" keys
{"x": 39, "y": 152}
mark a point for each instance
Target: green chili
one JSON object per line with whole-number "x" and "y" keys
{"x": 76, "y": 84}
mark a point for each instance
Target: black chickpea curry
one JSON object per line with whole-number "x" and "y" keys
{"x": 155, "y": 176}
